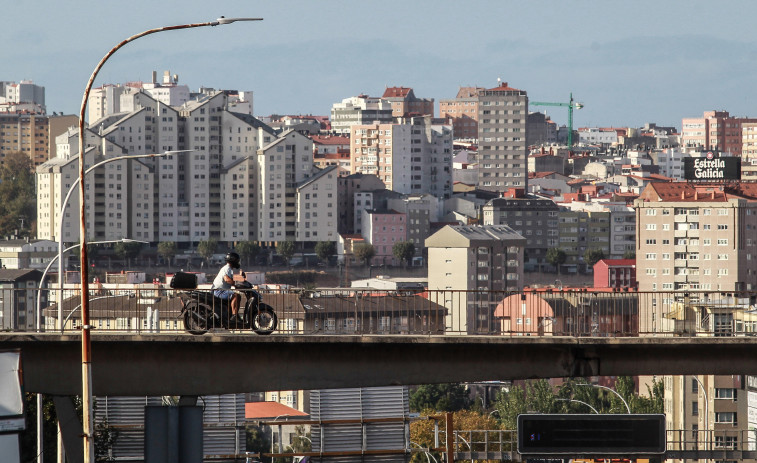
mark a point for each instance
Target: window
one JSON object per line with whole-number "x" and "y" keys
{"x": 695, "y": 408}
{"x": 651, "y": 256}
{"x": 725, "y": 393}
{"x": 722, "y": 241}
{"x": 725, "y": 417}
{"x": 651, "y": 226}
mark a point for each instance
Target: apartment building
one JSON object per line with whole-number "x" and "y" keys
{"x": 404, "y": 102}
{"x": 413, "y": 156}
{"x": 316, "y": 214}
{"x": 502, "y": 153}
{"x": 359, "y": 110}
{"x": 540, "y": 130}
{"x": 474, "y": 268}
{"x": 383, "y": 229}
{"x": 533, "y": 217}
{"x": 347, "y": 188}
{"x": 421, "y": 211}
{"x": 24, "y": 96}
{"x": 692, "y": 238}
{"x": 463, "y": 112}
{"x": 370, "y": 200}
{"x": 32, "y": 134}
{"x": 716, "y": 131}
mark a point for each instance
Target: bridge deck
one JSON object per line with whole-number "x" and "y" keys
{"x": 179, "y": 364}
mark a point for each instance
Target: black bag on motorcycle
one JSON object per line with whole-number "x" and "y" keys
{"x": 183, "y": 280}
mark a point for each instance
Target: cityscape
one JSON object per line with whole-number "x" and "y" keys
{"x": 479, "y": 274}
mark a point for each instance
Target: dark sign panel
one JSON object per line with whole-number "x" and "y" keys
{"x": 712, "y": 168}
{"x": 602, "y": 435}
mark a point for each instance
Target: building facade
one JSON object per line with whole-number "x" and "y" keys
{"x": 502, "y": 153}
{"x": 462, "y": 111}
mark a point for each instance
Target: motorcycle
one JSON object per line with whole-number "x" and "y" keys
{"x": 202, "y": 311}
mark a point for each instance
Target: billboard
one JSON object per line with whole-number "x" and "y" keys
{"x": 712, "y": 168}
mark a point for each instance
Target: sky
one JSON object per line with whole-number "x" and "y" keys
{"x": 628, "y": 62}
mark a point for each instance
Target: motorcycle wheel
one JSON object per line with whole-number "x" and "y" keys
{"x": 196, "y": 318}
{"x": 264, "y": 320}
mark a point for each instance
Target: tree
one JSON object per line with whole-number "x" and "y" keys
{"x": 364, "y": 252}
{"x": 207, "y": 248}
{"x": 556, "y": 257}
{"x": 167, "y": 250}
{"x": 286, "y": 250}
{"x": 257, "y": 442}
{"x": 404, "y": 251}
{"x": 439, "y": 397}
{"x": 49, "y": 428}
{"x": 325, "y": 250}
{"x": 247, "y": 250}
{"x": 422, "y": 431}
{"x": 127, "y": 250}
{"x": 629, "y": 255}
{"x": 18, "y": 198}
{"x": 592, "y": 256}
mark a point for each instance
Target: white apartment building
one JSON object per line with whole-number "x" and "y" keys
{"x": 503, "y": 154}
{"x": 410, "y": 157}
{"x": 237, "y": 174}
{"x": 597, "y": 136}
{"x": 316, "y": 211}
{"x": 359, "y": 110}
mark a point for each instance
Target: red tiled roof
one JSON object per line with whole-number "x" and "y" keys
{"x": 540, "y": 174}
{"x": 503, "y": 87}
{"x": 396, "y": 92}
{"x": 269, "y": 410}
{"x": 618, "y": 262}
{"x": 330, "y": 140}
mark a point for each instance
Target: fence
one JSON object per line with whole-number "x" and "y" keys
{"x": 580, "y": 313}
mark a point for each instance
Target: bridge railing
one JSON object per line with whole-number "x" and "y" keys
{"x": 345, "y": 311}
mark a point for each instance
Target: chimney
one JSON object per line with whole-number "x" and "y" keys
{"x": 683, "y": 195}
{"x": 154, "y": 76}
{"x": 696, "y": 195}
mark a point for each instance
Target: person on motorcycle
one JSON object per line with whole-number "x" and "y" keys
{"x": 222, "y": 284}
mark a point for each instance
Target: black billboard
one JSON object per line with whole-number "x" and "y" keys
{"x": 607, "y": 435}
{"x": 712, "y": 168}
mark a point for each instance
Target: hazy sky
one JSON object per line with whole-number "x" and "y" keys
{"x": 629, "y": 62}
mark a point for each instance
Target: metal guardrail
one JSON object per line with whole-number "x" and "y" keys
{"x": 151, "y": 308}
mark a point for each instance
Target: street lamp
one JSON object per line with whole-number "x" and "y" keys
{"x": 609, "y": 389}
{"x": 86, "y": 357}
{"x": 580, "y": 402}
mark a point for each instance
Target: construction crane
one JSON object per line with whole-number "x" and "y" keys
{"x": 572, "y": 104}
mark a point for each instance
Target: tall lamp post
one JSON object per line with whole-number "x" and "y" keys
{"x": 706, "y": 413}
{"x": 87, "y": 411}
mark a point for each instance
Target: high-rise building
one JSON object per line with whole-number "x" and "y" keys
{"x": 502, "y": 153}
{"x": 413, "y": 156}
{"x": 716, "y": 131}
{"x": 24, "y": 96}
{"x": 32, "y": 134}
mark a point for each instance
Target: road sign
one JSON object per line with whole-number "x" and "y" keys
{"x": 605, "y": 435}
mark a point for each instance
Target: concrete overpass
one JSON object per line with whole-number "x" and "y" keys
{"x": 180, "y": 364}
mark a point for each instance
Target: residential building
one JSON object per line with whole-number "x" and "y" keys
{"x": 18, "y": 254}
{"x": 502, "y": 153}
{"x": 606, "y": 136}
{"x": 404, "y": 102}
{"x": 410, "y": 157}
{"x": 18, "y": 299}
{"x": 382, "y": 229}
{"x": 421, "y": 211}
{"x": 317, "y": 215}
{"x": 22, "y": 97}
{"x": 695, "y": 242}
{"x": 540, "y": 130}
{"x": 545, "y": 162}
{"x": 359, "y": 110}
{"x": 331, "y": 150}
{"x": 714, "y": 131}
{"x": 474, "y": 267}
{"x": 463, "y": 112}
{"x": 615, "y": 273}
{"x": 533, "y": 217}
{"x": 347, "y": 188}
{"x": 32, "y": 134}
{"x": 368, "y": 201}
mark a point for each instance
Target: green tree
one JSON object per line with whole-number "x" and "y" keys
{"x": 404, "y": 251}
{"x": 126, "y": 250}
{"x": 440, "y": 397}
{"x": 207, "y": 248}
{"x": 247, "y": 250}
{"x": 535, "y": 396}
{"x": 592, "y": 256}
{"x": 18, "y": 198}
{"x": 257, "y": 442}
{"x": 325, "y": 250}
{"x": 364, "y": 252}
{"x": 49, "y": 428}
{"x": 167, "y": 250}
{"x": 629, "y": 255}
{"x": 556, "y": 257}
{"x": 286, "y": 250}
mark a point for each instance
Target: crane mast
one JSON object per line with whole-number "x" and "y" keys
{"x": 570, "y": 105}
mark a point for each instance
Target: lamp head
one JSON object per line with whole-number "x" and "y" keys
{"x": 224, "y": 20}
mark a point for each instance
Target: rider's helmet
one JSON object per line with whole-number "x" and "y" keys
{"x": 232, "y": 259}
